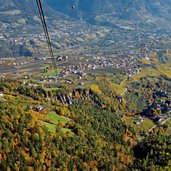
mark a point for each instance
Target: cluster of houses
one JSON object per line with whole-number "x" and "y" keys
{"x": 2, "y": 99}
{"x": 125, "y": 47}
{"x": 139, "y": 121}
{"x": 37, "y": 108}
{"x": 1, "y": 94}
{"x": 18, "y": 62}
{"x": 126, "y": 59}
{"x": 125, "y": 62}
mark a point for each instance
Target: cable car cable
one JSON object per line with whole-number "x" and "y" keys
{"x": 41, "y": 13}
{"x": 45, "y": 28}
{"x": 117, "y": 21}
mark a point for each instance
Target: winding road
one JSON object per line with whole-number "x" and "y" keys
{"x": 162, "y": 123}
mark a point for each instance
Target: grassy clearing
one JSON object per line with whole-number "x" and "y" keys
{"x": 50, "y": 89}
{"x": 135, "y": 101}
{"x": 147, "y": 124}
{"x": 52, "y": 72}
{"x": 52, "y": 127}
{"x": 96, "y": 89}
{"x": 55, "y": 119}
{"x": 118, "y": 89}
{"x": 144, "y": 126}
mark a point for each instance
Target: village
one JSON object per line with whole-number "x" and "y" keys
{"x": 80, "y": 61}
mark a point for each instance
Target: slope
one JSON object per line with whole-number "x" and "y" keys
{"x": 142, "y": 13}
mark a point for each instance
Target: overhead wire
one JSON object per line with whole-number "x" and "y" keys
{"x": 42, "y": 17}
{"x": 116, "y": 22}
{"x": 41, "y": 13}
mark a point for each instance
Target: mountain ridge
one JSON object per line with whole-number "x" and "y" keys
{"x": 143, "y": 13}
{"x": 22, "y": 20}
{"x": 21, "y": 27}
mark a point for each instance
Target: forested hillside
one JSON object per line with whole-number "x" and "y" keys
{"x": 95, "y": 138}
{"x": 42, "y": 129}
{"x": 100, "y": 100}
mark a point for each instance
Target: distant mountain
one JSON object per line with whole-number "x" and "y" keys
{"x": 19, "y": 21}
{"x": 21, "y": 31}
{"x": 15, "y": 12}
{"x": 141, "y": 12}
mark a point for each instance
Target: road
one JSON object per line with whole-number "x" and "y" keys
{"x": 122, "y": 94}
{"x": 147, "y": 133}
{"x": 162, "y": 123}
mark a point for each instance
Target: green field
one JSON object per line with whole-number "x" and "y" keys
{"x": 144, "y": 126}
{"x": 50, "y": 127}
{"x": 55, "y": 119}
{"x": 49, "y": 73}
{"x": 135, "y": 101}
{"x": 118, "y": 89}
{"x": 50, "y": 89}
{"x": 52, "y": 72}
